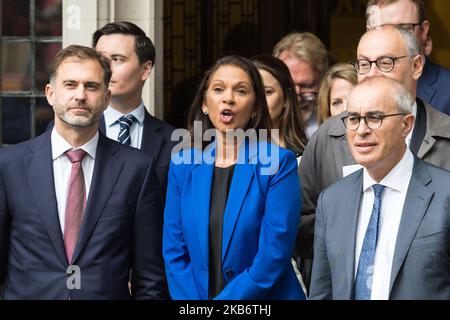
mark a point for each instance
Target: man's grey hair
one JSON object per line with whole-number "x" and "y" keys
{"x": 403, "y": 99}
{"x": 401, "y": 96}
{"x": 412, "y": 45}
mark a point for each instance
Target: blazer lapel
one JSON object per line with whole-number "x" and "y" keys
{"x": 242, "y": 177}
{"x": 417, "y": 200}
{"x": 349, "y": 236}
{"x": 39, "y": 172}
{"x": 106, "y": 172}
{"x": 202, "y": 177}
{"x": 151, "y": 140}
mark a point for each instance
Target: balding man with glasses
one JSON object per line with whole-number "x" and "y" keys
{"x": 388, "y": 51}
{"x": 382, "y": 233}
{"x": 411, "y": 15}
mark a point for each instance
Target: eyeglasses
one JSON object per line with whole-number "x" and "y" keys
{"x": 372, "y": 121}
{"x": 406, "y": 26}
{"x": 384, "y": 64}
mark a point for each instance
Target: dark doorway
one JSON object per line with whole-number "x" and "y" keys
{"x": 198, "y": 32}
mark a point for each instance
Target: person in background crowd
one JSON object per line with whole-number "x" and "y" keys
{"x": 334, "y": 90}
{"x": 126, "y": 119}
{"x": 307, "y": 60}
{"x": 282, "y": 101}
{"x": 411, "y": 15}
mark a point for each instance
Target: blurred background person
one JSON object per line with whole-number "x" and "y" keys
{"x": 234, "y": 239}
{"x": 307, "y": 59}
{"x": 334, "y": 90}
{"x": 411, "y": 15}
{"x": 283, "y": 106}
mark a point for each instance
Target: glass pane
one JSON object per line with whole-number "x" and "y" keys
{"x": 49, "y": 17}
{"x": 15, "y": 66}
{"x": 16, "y": 120}
{"x": 44, "y": 114}
{"x": 15, "y": 18}
{"x": 45, "y": 52}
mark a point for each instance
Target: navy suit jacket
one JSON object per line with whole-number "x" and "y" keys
{"x": 434, "y": 86}
{"x": 421, "y": 264}
{"x": 121, "y": 228}
{"x": 157, "y": 144}
{"x": 259, "y": 227}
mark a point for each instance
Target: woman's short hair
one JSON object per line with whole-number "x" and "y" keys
{"x": 292, "y": 128}
{"x": 343, "y": 71}
{"x": 262, "y": 118}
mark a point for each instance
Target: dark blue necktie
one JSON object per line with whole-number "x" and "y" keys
{"x": 125, "y": 123}
{"x": 364, "y": 275}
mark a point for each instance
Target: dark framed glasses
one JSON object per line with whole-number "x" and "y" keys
{"x": 372, "y": 121}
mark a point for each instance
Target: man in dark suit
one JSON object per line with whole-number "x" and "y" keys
{"x": 327, "y": 157}
{"x": 78, "y": 211}
{"x": 382, "y": 232}
{"x": 126, "y": 120}
{"x": 433, "y": 85}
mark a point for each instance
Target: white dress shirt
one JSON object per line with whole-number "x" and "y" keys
{"x": 113, "y": 128}
{"x": 62, "y": 168}
{"x": 393, "y": 198}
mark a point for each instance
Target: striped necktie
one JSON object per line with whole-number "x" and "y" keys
{"x": 125, "y": 123}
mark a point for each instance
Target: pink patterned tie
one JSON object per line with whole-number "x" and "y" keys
{"x": 76, "y": 199}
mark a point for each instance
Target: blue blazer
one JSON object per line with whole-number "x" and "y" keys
{"x": 433, "y": 86}
{"x": 121, "y": 229}
{"x": 259, "y": 229}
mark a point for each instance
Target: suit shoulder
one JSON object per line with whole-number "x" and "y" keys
{"x": 18, "y": 151}
{"x": 164, "y": 127}
{"x": 444, "y": 72}
{"x": 129, "y": 154}
{"x": 343, "y": 185}
{"x": 437, "y": 173}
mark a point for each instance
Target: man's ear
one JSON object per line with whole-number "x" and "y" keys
{"x": 107, "y": 99}
{"x": 50, "y": 94}
{"x": 408, "y": 122}
{"x": 424, "y": 32}
{"x": 417, "y": 65}
{"x": 146, "y": 69}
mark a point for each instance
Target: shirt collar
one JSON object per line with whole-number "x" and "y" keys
{"x": 60, "y": 145}
{"x": 112, "y": 115}
{"x": 396, "y": 177}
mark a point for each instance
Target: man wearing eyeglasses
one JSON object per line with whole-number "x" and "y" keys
{"x": 433, "y": 85}
{"x": 381, "y": 233}
{"x": 307, "y": 59}
{"x": 391, "y": 52}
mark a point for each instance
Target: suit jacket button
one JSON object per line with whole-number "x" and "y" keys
{"x": 229, "y": 273}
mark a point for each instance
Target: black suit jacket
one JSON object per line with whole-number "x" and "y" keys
{"x": 121, "y": 229}
{"x": 157, "y": 144}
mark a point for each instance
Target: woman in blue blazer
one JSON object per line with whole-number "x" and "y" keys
{"x": 233, "y": 205}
